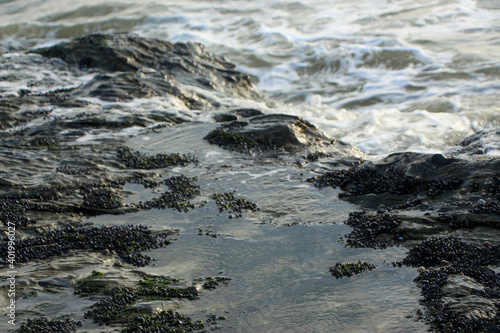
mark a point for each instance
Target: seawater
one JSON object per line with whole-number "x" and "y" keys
{"x": 384, "y": 75}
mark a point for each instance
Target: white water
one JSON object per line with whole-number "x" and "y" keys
{"x": 385, "y": 75}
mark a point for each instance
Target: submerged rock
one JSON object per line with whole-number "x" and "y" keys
{"x": 340, "y": 270}
{"x": 277, "y": 132}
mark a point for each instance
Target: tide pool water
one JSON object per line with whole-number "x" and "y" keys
{"x": 386, "y": 75}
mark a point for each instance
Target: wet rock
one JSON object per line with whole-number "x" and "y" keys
{"x": 127, "y": 86}
{"x": 483, "y": 143}
{"x": 393, "y": 175}
{"x": 160, "y": 63}
{"x": 277, "y": 132}
{"x": 152, "y": 308}
{"x": 56, "y": 282}
{"x": 236, "y": 115}
{"x": 461, "y": 294}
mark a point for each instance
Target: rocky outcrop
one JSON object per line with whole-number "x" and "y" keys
{"x": 483, "y": 143}
{"x": 151, "y": 67}
{"x": 278, "y": 132}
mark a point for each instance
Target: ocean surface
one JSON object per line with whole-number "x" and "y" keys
{"x": 388, "y": 76}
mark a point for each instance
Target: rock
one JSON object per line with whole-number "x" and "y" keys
{"x": 278, "y": 132}
{"x": 483, "y": 143}
{"x": 236, "y": 115}
{"x": 56, "y": 282}
{"x": 151, "y": 64}
{"x": 154, "y": 307}
{"x": 460, "y": 293}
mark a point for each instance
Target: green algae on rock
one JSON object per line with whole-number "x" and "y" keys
{"x": 213, "y": 282}
{"x": 340, "y": 270}
{"x": 120, "y": 301}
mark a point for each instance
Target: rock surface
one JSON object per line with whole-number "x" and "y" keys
{"x": 278, "y": 132}
{"x": 154, "y": 66}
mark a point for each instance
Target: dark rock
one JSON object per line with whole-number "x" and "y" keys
{"x": 484, "y": 142}
{"x": 213, "y": 282}
{"x": 412, "y": 173}
{"x": 127, "y": 86}
{"x": 277, "y": 132}
{"x": 189, "y": 64}
{"x": 236, "y": 115}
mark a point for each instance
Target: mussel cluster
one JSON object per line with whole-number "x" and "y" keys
{"x": 45, "y": 325}
{"x": 360, "y": 181}
{"x": 107, "y": 309}
{"x": 366, "y": 228}
{"x": 228, "y": 201}
{"x": 74, "y": 171}
{"x": 42, "y": 142}
{"x": 451, "y": 249}
{"x": 487, "y": 206}
{"x": 12, "y": 215}
{"x": 138, "y": 160}
{"x": 232, "y": 141}
{"x": 101, "y": 198}
{"x": 126, "y": 241}
{"x": 182, "y": 190}
{"x": 349, "y": 269}
{"x": 164, "y": 322}
{"x": 451, "y": 256}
